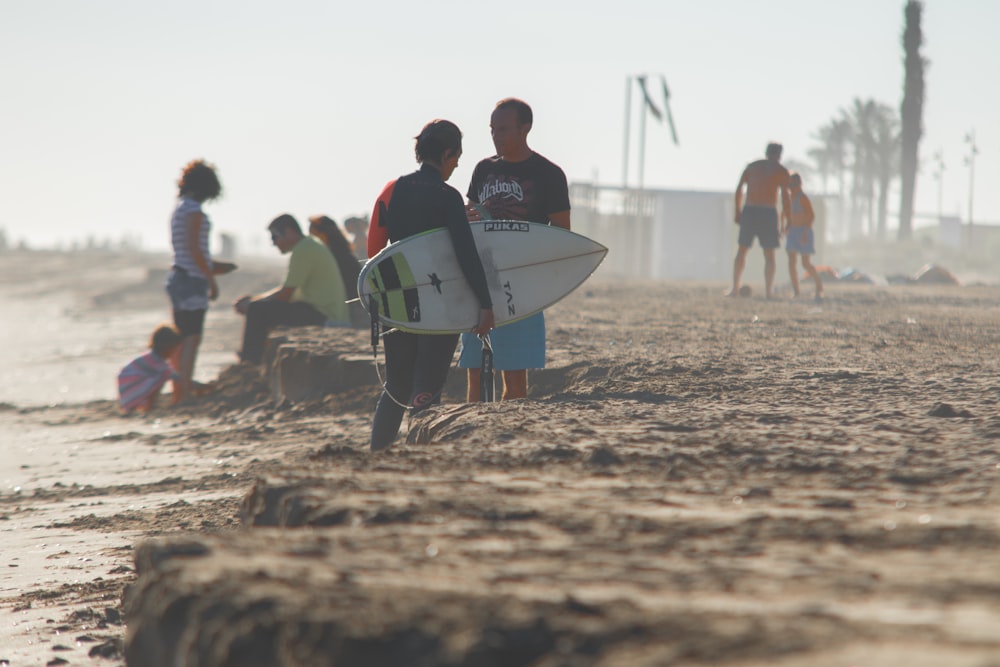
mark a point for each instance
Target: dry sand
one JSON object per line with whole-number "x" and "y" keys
{"x": 696, "y": 480}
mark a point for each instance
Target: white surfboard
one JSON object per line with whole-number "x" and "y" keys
{"x": 417, "y": 285}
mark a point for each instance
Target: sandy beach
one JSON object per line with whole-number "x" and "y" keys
{"x": 694, "y": 480}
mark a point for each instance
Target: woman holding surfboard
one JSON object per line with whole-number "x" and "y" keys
{"x": 417, "y": 364}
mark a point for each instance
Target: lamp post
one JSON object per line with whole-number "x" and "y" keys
{"x": 970, "y": 160}
{"x": 939, "y": 177}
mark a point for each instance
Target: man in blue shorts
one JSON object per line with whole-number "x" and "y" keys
{"x": 515, "y": 184}
{"x": 763, "y": 180}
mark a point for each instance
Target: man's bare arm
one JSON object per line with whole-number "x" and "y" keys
{"x": 560, "y": 219}
{"x": 277, "y": 294}
{"x": 786, "y": 208}
{"x": 739, "y": 196}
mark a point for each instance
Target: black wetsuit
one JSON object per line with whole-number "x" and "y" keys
{"x": 417, "y": 364}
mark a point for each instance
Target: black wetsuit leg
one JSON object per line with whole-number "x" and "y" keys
{"x": 416, "y": 370}
{"x": 434, "y": 356}
{"x": 400, "y": 352}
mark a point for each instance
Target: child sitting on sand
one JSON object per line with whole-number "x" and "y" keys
{"x": 142, "y": 379}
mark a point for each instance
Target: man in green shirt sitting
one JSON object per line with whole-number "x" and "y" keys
{"x": 312, "y": 295}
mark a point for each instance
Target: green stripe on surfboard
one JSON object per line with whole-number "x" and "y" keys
{"x": 394, "y": 300}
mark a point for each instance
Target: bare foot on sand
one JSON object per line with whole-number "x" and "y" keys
{"x": 744, "y": 291}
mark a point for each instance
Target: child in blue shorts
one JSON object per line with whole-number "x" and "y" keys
{"x": 800, "y": 239}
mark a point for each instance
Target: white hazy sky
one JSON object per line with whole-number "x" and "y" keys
{"x": 310, "y": 106}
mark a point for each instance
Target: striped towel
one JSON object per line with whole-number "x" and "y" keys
{"x": 141, "y": 378}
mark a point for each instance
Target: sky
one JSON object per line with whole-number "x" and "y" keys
{"x": 307, "y": 107}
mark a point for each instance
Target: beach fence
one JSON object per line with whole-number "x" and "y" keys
{"x": 669, "y": 234}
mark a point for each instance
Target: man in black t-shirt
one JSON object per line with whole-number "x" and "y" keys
{"x": 515, "y": 184}
{"x": 527, "y": 190}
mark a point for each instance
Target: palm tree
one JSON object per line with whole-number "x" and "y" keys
{"x": 865, "y": 135}
{"x": 860, "y": 117}
{"x": 831, "y": 155}
{"x": 836, "y": 137}
{"x": 911, "y": 113}
{"x": 886, "y": 154}
{"x": 821, "y": 160}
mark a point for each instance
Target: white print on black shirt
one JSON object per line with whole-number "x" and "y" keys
{"x": 504, "y": 189}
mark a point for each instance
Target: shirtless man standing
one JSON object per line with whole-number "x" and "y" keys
{"x": 763, "y": 180}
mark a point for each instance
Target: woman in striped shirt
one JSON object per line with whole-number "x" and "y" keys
{"x": 191, "y": 282}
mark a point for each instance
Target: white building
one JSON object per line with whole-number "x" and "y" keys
{"x": 669, "y": 234}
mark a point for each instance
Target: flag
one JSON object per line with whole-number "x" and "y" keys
{"x": 666, "y": 107}
{"x": 649, "y": 102}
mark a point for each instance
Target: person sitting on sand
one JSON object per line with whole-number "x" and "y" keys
{"x": 764, "y": 180}
{"x": 312, "y": 295}
{"x": 142, "y": 379}
{"x": 800, "y": 239}
{"x": 358, "y": 229}
{"x": 326, "y": 230}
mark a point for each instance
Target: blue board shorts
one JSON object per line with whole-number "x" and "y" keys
{"x": 516, "y": 346}
{"x": 800, "y": 240}
{"x": 760, "y": 222}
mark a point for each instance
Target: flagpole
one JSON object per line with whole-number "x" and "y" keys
{"x": 628, "y": 117}
{"x": 642, "y": 145}
{"x": 648, "y": 106}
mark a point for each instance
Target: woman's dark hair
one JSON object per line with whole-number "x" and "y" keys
{"x": 327, "y": 229}
{"x": 199, "y": 181}
{"x": 520, "y": 107}
{"x": 437, "y": 137}
{"x": 164, "y": 340}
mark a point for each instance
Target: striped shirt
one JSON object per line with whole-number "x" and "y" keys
{"x": 142, "y": 378}
{"x": 179, "y": 240}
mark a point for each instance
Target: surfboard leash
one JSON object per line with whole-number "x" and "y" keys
{"x": 486, "y": 386}
{"x": 376, "y": 325}
{"x": 377, "y": 334}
